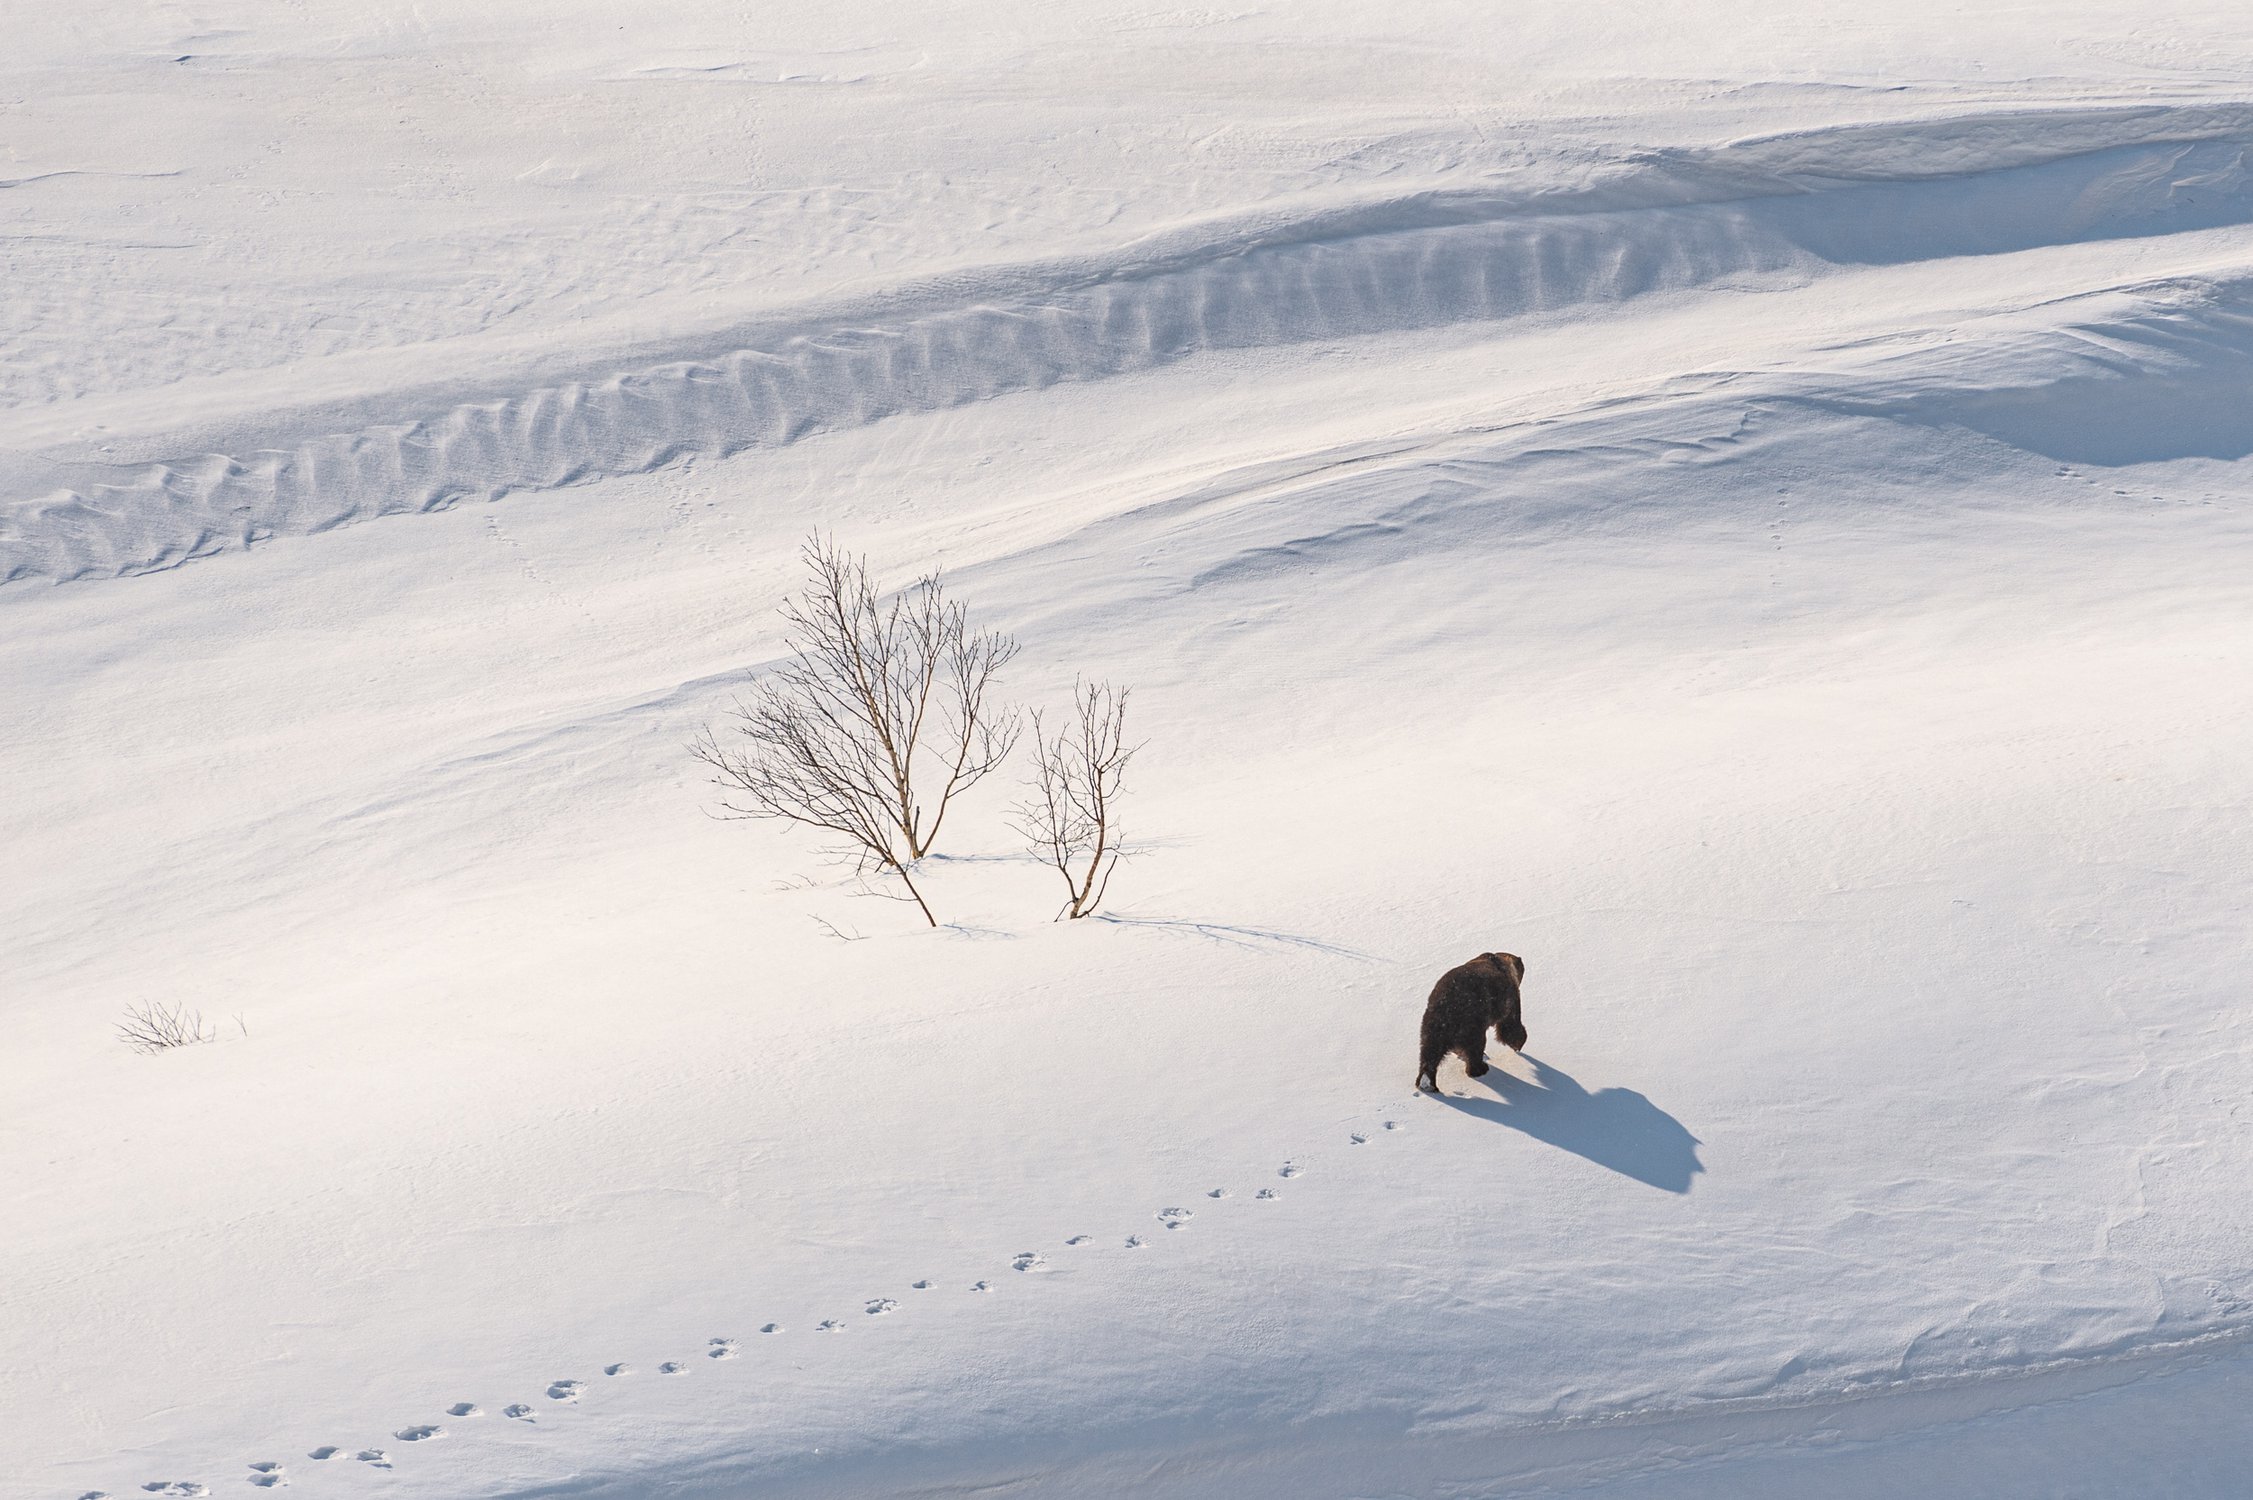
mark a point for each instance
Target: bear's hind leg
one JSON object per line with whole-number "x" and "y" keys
{"x": 1427, "y": 1069}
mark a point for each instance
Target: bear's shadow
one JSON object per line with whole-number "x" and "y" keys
{"x": 1614, "y": 1128}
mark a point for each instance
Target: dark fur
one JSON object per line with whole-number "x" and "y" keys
{"x": 1465, "y": 1002}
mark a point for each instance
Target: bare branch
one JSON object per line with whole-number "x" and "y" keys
{"x": 1069, "y": 816}
{"x": 881, "y": 716}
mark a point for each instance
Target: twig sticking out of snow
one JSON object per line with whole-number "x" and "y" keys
{"x": 154, "y": 1027}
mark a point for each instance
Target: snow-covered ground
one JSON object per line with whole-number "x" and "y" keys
{"x": 1748, "y": 506}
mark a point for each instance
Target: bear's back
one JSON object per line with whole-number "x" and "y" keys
{"x": 1487, "y": 981}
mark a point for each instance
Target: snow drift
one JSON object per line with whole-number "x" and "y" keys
{"x": 1763, "y": 213}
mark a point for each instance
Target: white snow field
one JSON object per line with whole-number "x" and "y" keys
{"x": 1748, "y": 506}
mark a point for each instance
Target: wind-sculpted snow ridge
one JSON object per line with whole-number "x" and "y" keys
{"x": 2152, "y": 374}
{"x": 1770, "y": 212}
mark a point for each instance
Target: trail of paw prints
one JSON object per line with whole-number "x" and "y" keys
{"x": 1171, "y": 1218}
{"x": 270, "y": 1475}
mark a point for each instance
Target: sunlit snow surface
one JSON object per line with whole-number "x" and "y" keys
{"x": 1745, "y": 506}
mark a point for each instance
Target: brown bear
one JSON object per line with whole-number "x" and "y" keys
{"x": 1466, "y": 1001}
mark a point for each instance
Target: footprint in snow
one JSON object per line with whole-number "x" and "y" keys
{"x": 1028, "y": 1260}
{"x": 1267, "y": 1195}
{"x": 1174, "y": 1218}
{"x": 672, "y": 1367}
{"x": 1289, "y": 1169}
{"x": 1081, "y": 1239}
{"x": 878, "y": 1306}
{"x": 95, "y": 1495}
{"x": 566, "y": 1390}
{"x": 268, "y": 1476}
{"x": 829, "y": 1325}
{"x": 1217, "y": 1193}
{"x": 520, "y": 1412}
{"x": 982, "y": 1286}
{"x": 770, "y": 1328}
{"x": 1135, "y": 1242}
{"x": 721, "y": 1349}
{"x": 621, "y": 1368}
{"x": 919, "y": 1286}
{"x": 1358, "y": 1139}
{"x": 470, "y": 1408}
{"x": 325, "y": 1452}
{"x": 375, "y": 1456}
{"x": 186, "y": 1487}
{"x": 420, "y": 1433}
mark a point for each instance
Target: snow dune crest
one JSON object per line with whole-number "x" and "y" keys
{"x": 1766, "y": 213}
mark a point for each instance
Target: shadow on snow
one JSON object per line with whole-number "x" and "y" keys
{"x": 1615, "y": 1128}
{"x": 1231, "y": 936}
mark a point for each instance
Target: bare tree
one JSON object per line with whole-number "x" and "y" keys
{"x": 1070, "y": 815}
{"x": 154, "y": 1027}
{"x": 882, "y": 715}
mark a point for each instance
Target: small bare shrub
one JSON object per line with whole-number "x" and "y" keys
{"x": 880, "y": 717}
{"x": 154, "y": 1027}
{"x": 1070, "y": 815}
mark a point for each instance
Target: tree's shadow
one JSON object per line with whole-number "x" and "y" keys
{"x": 1234, "y": 936}
{"x": 1615, "y": 1128}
